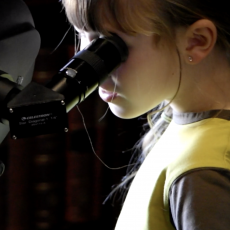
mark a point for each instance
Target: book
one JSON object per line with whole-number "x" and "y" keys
{"x": 49, "y": 164}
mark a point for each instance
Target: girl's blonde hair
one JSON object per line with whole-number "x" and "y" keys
{"x": 146, "y": 17}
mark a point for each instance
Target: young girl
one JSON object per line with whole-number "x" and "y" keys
{"x": 179, "y": 54}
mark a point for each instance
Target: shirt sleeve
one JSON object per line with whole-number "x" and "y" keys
{"x": 200, "y": 200}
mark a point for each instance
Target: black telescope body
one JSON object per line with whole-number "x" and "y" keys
{"x": 88, "y": 68}
{"x": 31, "y": 109}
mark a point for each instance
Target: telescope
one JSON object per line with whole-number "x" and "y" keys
{"x": 29, "y": 109}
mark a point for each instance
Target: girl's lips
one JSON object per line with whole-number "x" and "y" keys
{"x": 107, "y": 96}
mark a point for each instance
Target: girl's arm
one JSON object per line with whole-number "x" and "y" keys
{"x": 200, "y": 200}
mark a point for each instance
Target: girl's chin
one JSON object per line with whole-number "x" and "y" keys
{"x": 122, "y": 112}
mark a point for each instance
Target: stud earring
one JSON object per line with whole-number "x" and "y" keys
{"x": 190, "y": 59}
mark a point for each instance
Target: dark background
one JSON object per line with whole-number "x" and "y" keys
{"x": 55, "y": 181}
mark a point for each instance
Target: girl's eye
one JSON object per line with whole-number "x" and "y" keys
{"x": 92, "y": 35}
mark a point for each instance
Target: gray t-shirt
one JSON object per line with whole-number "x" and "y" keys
{"x": 200, "y": 200}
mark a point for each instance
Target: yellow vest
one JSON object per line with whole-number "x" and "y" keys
{"x": 182, "y": 148}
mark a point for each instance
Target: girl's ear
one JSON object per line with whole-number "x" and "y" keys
{"x": 199, "y": 40}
